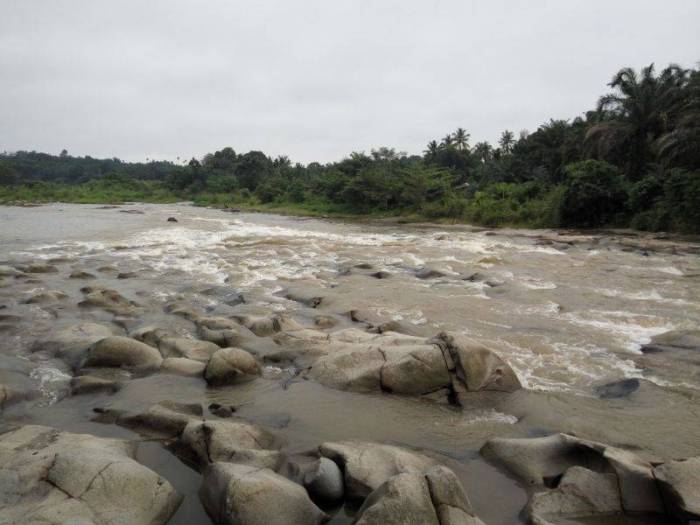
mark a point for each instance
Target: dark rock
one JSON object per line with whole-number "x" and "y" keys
{"x": 172, "y": 219}
{"x": 617, "y": 389}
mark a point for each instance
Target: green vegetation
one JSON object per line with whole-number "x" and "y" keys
{"x": 632, "y": 161}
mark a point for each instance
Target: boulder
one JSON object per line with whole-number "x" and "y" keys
{"x": 49, "y": 296}
{"x": 367, "y": 465}
{"x": 150, "y": 334}
{"x": 229, "y": 366}
{"x": 70, "y": 344}
{"x": 38, "y": 268}
{"x": 222, "y": 338}
{"x": 414, "y": 369}
{"x": 617, "y": 389}
{"x": 185, "y": 347}
{"x": 543, "y": 461}
{"x": 16, "y": 386}
{"x": 172, "y": 219}
{"x": 476, "y": 367}
{"x": 321, "y": 477}
{"x": 674, "y": 340}
{"x": 89, "y": 384}
{"x": 123, "y": 352}
{"x": 232, "y": 440}
{"x": 264, "y": 326}
{"x": 350, "y": 367}
{"x": 183, "y": 366}
{"x": 308, "y": 299}
{"x": 9, "y": 271}
{"x": 58, "y": 477}
{"x": 428, "y": 272}
{"x": 580, "y": 493}
{"x": 164, "y": 419}
{"x": 236, "y": 494}
{"x": 79, "y": 274}
{"x": 679, "y": 482}
{"x": 182, "y": 309}
{"x": 108, "y": 300}
{"x": 435, "y": 497}
{"x": 325, "y": 321}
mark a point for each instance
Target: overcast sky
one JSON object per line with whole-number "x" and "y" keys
{"x": 313, "y": 79}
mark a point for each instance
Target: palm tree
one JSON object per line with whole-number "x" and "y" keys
{"x": 507, "y": 141}
{"x": 681, "y": 145}
{"x": 483, "y": 151}
{"x": 447, "y": 140}
{"x": 432, "y": 149}
{"x": 635, "y": 115}
{"x": 461, "y": 139}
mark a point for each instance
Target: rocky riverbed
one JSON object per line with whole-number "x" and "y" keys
{"x": 239, "y": 368}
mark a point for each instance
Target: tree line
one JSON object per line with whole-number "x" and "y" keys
{"x": 633, "y": 160}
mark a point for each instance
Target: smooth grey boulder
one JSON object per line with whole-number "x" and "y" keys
{"x": 89, "y": 384}
{"x": 580, "y": 493}
{"x": 15, "y": 385}
{"x": 674, "y": 340}
{"x": 367, "y": 465}
{"x": 80, "y": 274}
{"x": 263, "y": 326}
{"x": 232, "y": 440}
{"x": 415, "y": 369}
{"x": 71, "y": 344}
{"x": 48, "y": 476}
{"x": 542, "y": 461}
{"x": 183, "y": 366}
{"x": 617, "y": 389}
{"x": 350, "y": 367}
{"x": 428, "y": 272}
{"x": 150, "y": 334}
{"x": 108, "y": 300}
{"x": 236, "y": 494}
{"x": 164, "y": 419}
{"x": 679, "y": 482}
{"x": 321, "y": 477}
{"x": 123, "y": 352}
{"x": 49, "y": 296}
{"x": 434, "y": 497}
{"x": 228, "y": 366}
{"x": 477, "y": 367}
{"x": 185, "y": 347}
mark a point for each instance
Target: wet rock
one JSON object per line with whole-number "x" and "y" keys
{"x": 9, "y": 271}
{"x": 679, "y": 482}
{"x": 380, "y": 275}
{"x": 15, "y": 385}
{"x": 414, "y": 369}
{"x": 674, "y": 340}
{"x": 109, "y": 300}
{"x": 59, "y": 477}
{"x": 50, "y": 296}
{"x": 543, "y": 461}
{"x": 476, "y": 367}
{"x": 81, "y": 275}
{"x": 366, "y": 466}
{"x": 232, "y": 440}
{"x": 310, "y": 300}
{"x": 222, "y": 338}
{"x": 89, "y": 384}
{"x": 429, "y": 273}
{"x": 217, "y": 323}
{"x": 108, "y": 269}
{"x": 166, "y": 418}
{"x": 38, "y": 268}
{"x": 123, "y": 352}
{"x": 222, "y": 411}
{"x": 321, "y": 477}
{"x": 617, "y": 389}
{"x": 264, "y": 326}
{"x": 150, "y": 334}
{"x": 172, "y": 219}
{"x": 70, "y": 344}
{"x": 580, "y": 493}
{"x": 325, "y": 321}
{"x": 229, "y": 366}
{"x": 189, "y": 348}
{"x": 436, "y": 497}
{"x": 127, "y": 275}
{"x": 182, "y": 309}
{"x": 350, "y": 367}
{"x": 242, "y": 495}
{"x": 183, "y": 366}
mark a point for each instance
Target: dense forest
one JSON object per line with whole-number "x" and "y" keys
{"x": 634, "y": 161}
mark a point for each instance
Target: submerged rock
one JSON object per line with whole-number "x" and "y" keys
{"x": 59, "y": 477}
{"x": 243, "y": 495}
{"x": 185, "y": 347}
{"x": 617, "y": 389}
{"x": 38, "y": 268}
{"x": 229, "y": 366}
{"x": 123, "y": 352}
{"x": 49, "y": 296}
{"x": 79, "y": 274}
{"x": 109, "y": 300}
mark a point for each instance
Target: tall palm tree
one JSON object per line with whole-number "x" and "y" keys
{"x": 432, "y": 148}
{"x": 461, "y": 139}
{"x": 447, "y": 140}
{"x": 635, "y": 115}
{"x": 483, "y": 151}
{"x": 507, "y": 141}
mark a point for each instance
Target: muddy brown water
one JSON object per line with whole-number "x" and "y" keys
{"x": 568, "y": 311}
